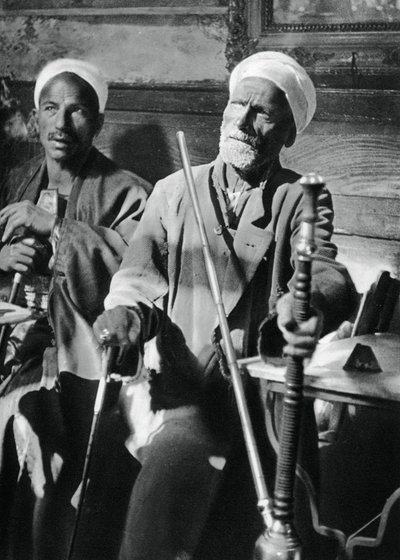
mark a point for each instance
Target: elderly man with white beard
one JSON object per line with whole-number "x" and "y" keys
{"x": 193, "y": 498}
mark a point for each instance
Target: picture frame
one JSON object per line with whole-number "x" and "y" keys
{"x": 337, "y": 52}
{"x": 330, "y": 15}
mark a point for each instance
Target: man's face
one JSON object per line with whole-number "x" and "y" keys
{"x": 257, "y": 123}
{"x": 68, "y": 117}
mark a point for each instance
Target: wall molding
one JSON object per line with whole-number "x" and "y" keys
{"x": 112, "y": 12}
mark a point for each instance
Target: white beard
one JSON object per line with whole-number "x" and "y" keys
{"x": 241, "y": 151}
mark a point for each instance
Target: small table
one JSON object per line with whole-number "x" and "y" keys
{"x": 326, "y": 379}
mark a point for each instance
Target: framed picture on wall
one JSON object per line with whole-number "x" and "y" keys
{"x": 330, "y": 15}
{"x": 351, "y": 43}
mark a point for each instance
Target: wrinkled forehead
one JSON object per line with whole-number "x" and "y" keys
{"x": 261, "y": 91}
{"x": 81, "y": 89}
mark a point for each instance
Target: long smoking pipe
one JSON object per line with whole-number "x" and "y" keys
{"x": 248, "y": 433}
{"x": 107, "y": 361}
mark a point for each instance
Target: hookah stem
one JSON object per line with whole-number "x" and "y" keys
{"x": 293, "y": 396}
{"x": 107, "y": 361}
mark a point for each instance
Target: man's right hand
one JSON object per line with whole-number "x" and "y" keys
{"x": 18, "y": 257}
{"x": 301, "y": 338}
{"x": 120, "y": 326}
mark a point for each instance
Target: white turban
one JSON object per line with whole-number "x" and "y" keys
{"x": 287, "y": 75}
{"x": 81, "y": 68}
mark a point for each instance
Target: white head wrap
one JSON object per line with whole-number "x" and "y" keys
{"x": 287, "y": 75}
{"x": 81, "y": 68}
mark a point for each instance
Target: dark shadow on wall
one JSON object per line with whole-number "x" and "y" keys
{"x": 144, "y": 150}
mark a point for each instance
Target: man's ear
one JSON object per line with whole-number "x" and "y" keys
{"x": 291, "y": 137}
{"x": 34, "y": 116}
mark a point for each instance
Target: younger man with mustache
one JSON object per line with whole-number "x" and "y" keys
{"x": 79, "y": 243}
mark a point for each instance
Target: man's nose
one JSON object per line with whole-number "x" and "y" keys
{"x": 62, "y": 118}
{"x": 245, "y": 119}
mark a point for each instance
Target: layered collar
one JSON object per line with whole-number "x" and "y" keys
{"x": 247, "y": 236}
{"x": 37, "y": 179}
{"x": 235, "y": 193}
{"x": 228, "y": 178}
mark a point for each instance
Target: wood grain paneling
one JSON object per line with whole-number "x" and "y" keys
{"x": 368, "y": 216}
{"x": 146, "y": 143}
{"x": 354, "y": 158}
{"x": 366, "y": 257}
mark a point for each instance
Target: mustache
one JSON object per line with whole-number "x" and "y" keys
{"x": 61, "y": 136}
{"x": 243, "y": 137}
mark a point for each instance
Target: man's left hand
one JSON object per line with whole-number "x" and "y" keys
{"x": 25, "y": 214}
{"x": 301, "y": 338}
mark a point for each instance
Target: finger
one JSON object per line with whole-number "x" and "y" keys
{"x": 14, "y": 222}
{"x": 98, "y": 326}
{"x": 112, "y": 328}
{"x": 296, "y": 352}
{"x": 122, "y": 333}
{"x": 29, "y": 241}
{"x": 8, "y": 211}
{"x": 286, "y": 318}
{"x": 10, "y": 206}
{"x": 345, "y": 330}
{"x": 110, "y": 339}
{"x": 19, "y": 267}
{"x": 104, "y": 332}
{"x": 5, "y": 212}
{"x": 23, "y": 250}
{"x": 22, "y": 259}
{"x": 302, "y": 341}
{"x": 308, "y": 328}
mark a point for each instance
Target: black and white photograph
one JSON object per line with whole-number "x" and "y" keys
{"x": 199, "y": 280}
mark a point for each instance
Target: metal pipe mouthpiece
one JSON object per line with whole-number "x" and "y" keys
{"x": 312, "y": 179}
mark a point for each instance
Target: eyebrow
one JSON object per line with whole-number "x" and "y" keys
{"x": 82, "y": 103}
{"x": 263, "y": 109}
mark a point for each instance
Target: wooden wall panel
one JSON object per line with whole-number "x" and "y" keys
{"x": 366, "y": 257}
{"x": 354, "y": 158}
{"x": 146, "y": 142}
{"x": 368, "y": 216}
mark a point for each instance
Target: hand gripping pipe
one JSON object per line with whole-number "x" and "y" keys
{"x": 280, "y": 540}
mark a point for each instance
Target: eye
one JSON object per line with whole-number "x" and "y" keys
{"x": 266, "y": 117}
{"x": 81, "y": 111}
{"x": 49, "y": 108}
